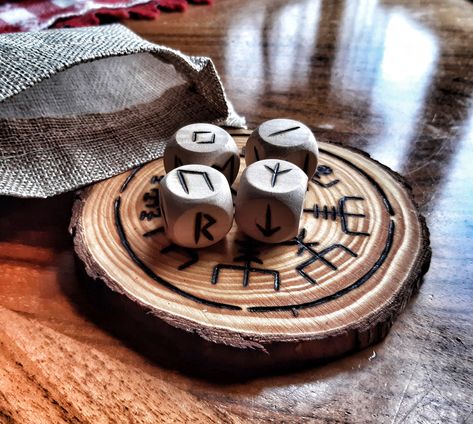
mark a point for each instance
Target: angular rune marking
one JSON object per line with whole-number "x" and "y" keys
{"x": 249, "y": 254}
{"x": 177, "y": 162}
{"x": 315, "y": 255}
{"x": 305, "y": 167}
{"x": 196, "y": 134}
{"x": 151, "y": 196}
{"x": 324, "y": 170}
{"x": 199, "y": 229}
{"x": 164, "y": 217}
{"x": 344, "y": 214}
{"x": 276, "y": 172}
{"x": 182, "y": 179}
{"x": 149, "y": 215}
{"x": 191, "y": 253}
{"x": 229, "y": 163}
{"x": 283, "y": 131}
{"x": 150, "y": 233}
{"x": 268, "y": 230}
{"x": 339, "y": 211}
{"x": 156, "y": 179}
{"x": 151, "y": 199}
{"x": 317, "y": 212}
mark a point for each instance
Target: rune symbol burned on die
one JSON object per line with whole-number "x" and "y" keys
{"x": 284, "y": 131}
{"x": 276, "y": 172}
{"x": 181, "y": 175}
{"x": 268, "y": 230}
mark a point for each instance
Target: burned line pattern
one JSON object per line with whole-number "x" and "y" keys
{"x": 248, "y": 261}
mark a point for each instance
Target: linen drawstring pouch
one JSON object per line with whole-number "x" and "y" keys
{"x": 81, "y": 105}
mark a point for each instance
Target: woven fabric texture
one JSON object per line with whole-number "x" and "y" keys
{"x": 81, "y": 105}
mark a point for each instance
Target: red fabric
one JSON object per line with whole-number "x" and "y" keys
{"x": 33, "y": 15}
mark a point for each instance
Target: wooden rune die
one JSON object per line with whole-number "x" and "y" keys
{"x": 361, "y": 242}
{"x": 203, "y": 144}
{"x": 196, "y": 205}
{"x": 284, "y": 139}
{"x": 270, "y": 200}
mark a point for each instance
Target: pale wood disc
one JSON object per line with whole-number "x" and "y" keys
{"x": 336, "y": 288}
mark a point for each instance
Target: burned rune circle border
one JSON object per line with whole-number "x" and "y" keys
{"x": 294, "y": 308}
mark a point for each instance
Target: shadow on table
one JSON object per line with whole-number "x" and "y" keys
{"x": 36, "y": 222}
{"x": 175, "y": 349}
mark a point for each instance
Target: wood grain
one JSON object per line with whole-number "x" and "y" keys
{"x": 61, "y": 380}
{"x": 289, "y": 314}
{"x": 393, "y": 78}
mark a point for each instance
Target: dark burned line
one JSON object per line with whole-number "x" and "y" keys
{"x": 275, "y": 172}
{"x": 183, "y": 182}
{"x": 128, "y": 179}
{"x": 133, "y": 256}
{"x": 195, "y": 136}
{"x": 151, "y": 233}
{"x": 375, "y": 184}
{"x": 191, "y": 254}
{"x": 294, "y": 309}
{"x": 334, "y": 296}
{"x": 229, "y": 163}
{"x": 283, "y": 131}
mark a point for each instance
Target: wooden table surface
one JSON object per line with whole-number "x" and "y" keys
{"x": 394, "y": 78}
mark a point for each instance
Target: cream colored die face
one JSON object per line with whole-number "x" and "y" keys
{"x": 203, "y": 144}
{"x": 360, "y": 237}
{"x": 285, "y": 133}
{"x": 203, "y": 138}
{"x": 197, "y": 206}
{"x": 275, "y": 176}
{"x": 270, "y": 200}
{"x": 284, "y": 139}
{"x": 201, "y": 226}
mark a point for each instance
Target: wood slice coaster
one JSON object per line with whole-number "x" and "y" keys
{"x": 361, "y": 252}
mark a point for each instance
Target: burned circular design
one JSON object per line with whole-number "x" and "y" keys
{"x": 360, "y": 238}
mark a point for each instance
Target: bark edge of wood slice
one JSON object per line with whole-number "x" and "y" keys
{"x": 361, "y": 254}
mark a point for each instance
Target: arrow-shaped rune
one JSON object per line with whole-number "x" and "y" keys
{"x": 267, "y": 230}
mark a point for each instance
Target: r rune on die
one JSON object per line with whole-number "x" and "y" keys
{"x": 280, "y": 154}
